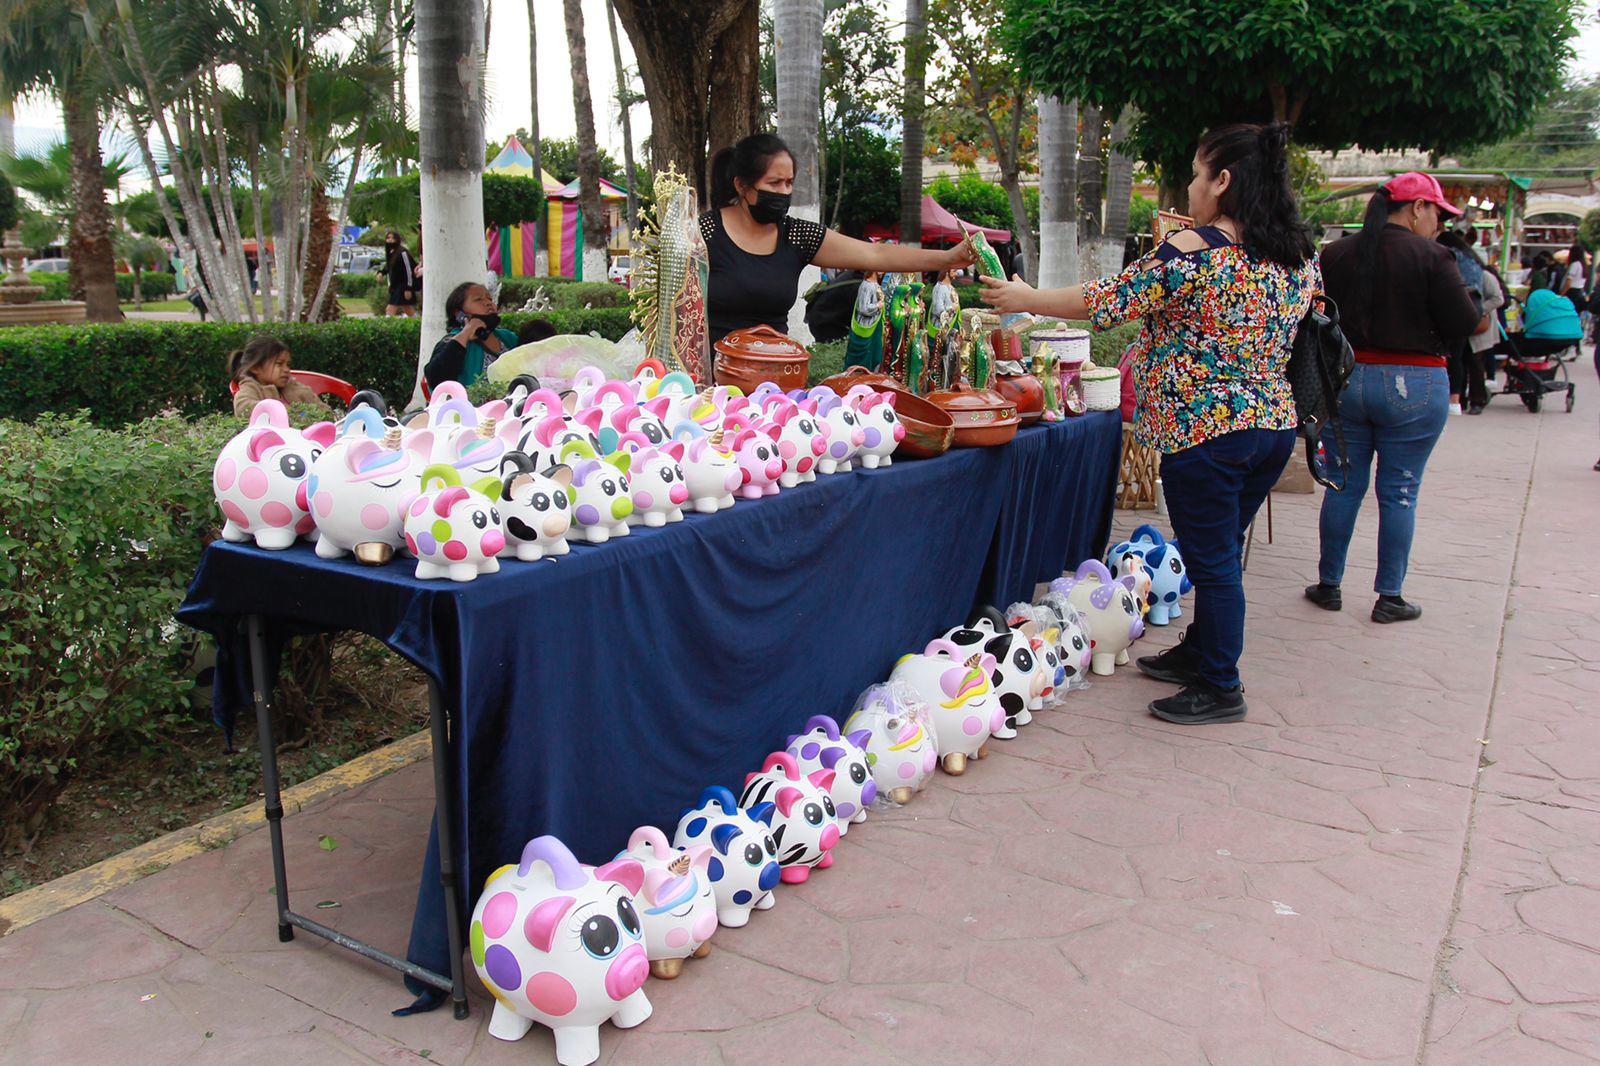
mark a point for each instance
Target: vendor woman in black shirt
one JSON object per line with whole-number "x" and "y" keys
{"x": 757, "y": 251}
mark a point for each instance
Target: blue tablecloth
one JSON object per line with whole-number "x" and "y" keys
{"x": 604, "y": 690}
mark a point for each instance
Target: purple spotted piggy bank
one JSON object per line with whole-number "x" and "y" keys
{"x": 821, "y": 747}
{"x": 559, "y": 943}
{"x": 1111, "y": 607}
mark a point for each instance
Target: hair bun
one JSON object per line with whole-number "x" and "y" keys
{"x": 1274, "y": 139}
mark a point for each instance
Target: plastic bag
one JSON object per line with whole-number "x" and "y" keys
{"x": 900, "y": 745}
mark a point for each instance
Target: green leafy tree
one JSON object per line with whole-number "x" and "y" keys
{"x": 8, "y": 205}
{"x": 385, "y": 203}
{"x": 1561, "y": 141}
{"x": 983, "y": 203}
{"x": 863, "y": 181}
{"x": 1389, "y": 74}
{"x": 559, "y": 157}
{"x": 1589, "y": 230}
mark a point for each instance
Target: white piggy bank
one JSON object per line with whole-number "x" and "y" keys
{"x": 744, "y": 867}
{"x": 1111, "y": 609}
{"x": 535, "y": 508}
{"x": 676, "y": 904}
{"x": 260, "y": 477}
{"x": 804, "y": 826}
{"x": 359, "y": 489}
{"x": 710, "y": 471}
{"x": 956, "y": 685}
{"x": 454, "y": 531}
{"x": 822, "y": 747}
{"x": 558, "y": 943}
{"x": 900, "y": 746}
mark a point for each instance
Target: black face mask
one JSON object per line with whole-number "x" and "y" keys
{"x": 492, "y": 319}
{"x": 770, "y": 207}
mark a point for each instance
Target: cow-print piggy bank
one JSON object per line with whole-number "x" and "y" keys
{"x": 900, "y": 747}
{"x": 535, "y": 508}
{"x": 744, "y": 865}
{"x": 260, "y": 478}
{"x": 804, "y": 826}
{"x": 821, "y": 747}
{"x": 676, "y": 904}
{"x": 1108, "y": 603}
{"x": 559, "y": 943}
{"x": 454, "y": 531}
{"x": 955, "y": 684}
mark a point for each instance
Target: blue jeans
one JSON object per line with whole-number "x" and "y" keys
{"x": 1213, "y": 491}
{"x": 1397, "y": 413}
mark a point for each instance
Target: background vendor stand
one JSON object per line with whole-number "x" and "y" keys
{"x": 585, "y": 696}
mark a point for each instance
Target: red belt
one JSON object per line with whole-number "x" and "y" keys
{"x": 1379, "y": 357}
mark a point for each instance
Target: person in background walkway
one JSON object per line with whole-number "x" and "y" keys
{"x": 1574, "y": 283}
{"x": 474, "y": 340}
{"x": 401, "y": 273}
{"x": 1402, "y": 304}
{"x": 1539, "y": 276}
{"x": 1221, "y": 303}
{"x": 262, "y": 370}
{"x": 1483, "y": 283}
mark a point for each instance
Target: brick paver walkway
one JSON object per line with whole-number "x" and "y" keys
{"x": 1395, "y": 859}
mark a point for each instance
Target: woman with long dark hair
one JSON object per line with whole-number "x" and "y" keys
{"x": 1221, "y": 303}
{"x": 1402, "y": 303}
{"x": 401, "y": 273}
{"x": 757, "y": 251}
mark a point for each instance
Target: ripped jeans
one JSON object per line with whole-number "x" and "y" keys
{"x": 1397, "y": 413}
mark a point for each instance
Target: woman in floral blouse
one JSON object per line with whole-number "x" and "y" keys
{"x": 1220, "y": 303}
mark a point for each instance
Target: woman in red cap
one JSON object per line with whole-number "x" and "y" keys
{"x": 1402, "y": 304}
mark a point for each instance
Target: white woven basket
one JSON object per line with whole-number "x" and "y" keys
{"x": 1102, "y": 388}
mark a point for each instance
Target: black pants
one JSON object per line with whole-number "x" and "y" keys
{"x": 1455, "y": 366}
{"x": 1477, "y": 377}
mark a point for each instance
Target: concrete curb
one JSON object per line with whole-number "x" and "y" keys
{"x": 80, "y": 886}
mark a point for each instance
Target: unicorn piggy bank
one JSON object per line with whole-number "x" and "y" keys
{"x": 900, "y": 748}
{"x": 359, "y": 490}
{"x": 711, "y": 474}
{"x": 744, "y": 865}
{"x": 804, "y": 827}
{"x": 558, "y": 943}
{"x": 821, "y": 747}
{"x": 956, "y": 685}
{"x": 1109, "y": 604}
{"x": 454, "y": 531}
{"x": 676, "y": 904}
{"x": 260, "y": 477}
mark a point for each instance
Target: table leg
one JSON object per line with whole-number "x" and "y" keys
{"x": 445, "y": 808}
{"x": 261, "y": 685}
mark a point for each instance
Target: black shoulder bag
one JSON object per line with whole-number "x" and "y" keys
{"x": 1320, "y": 363}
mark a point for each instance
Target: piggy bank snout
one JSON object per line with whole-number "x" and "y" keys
{"x": 869, "y": 792}
{"x": 771, "y": 873}
{"x": 830, "y": 837}
{"x": 626, "y": 975}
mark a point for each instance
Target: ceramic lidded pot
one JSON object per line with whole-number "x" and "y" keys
{"x": 747, "y": 357}
{"x": 983, "y": 417}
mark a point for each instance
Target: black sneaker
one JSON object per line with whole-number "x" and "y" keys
{"x": 1201, "y": 703}
{"x": 1327, "y": 597}
{"x": 1394, "y": 609}
{"x": 1178, "y": 665}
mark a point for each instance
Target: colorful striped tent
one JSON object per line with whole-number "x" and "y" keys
{"x": 564, "y": 227}
{"x": 512, "y": 250}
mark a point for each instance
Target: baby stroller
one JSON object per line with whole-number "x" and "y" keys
{"x": 1536, "y": 367}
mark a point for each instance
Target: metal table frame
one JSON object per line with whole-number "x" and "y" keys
{"x": 262, "y": 682}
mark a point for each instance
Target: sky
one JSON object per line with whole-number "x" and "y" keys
{"x": 39, "y": 119}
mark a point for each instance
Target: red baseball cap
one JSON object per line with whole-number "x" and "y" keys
{"x": 1415, "y": 185}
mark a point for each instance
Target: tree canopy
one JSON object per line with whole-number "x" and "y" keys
{"x": 1561, "y": 141}
{"x": 397, "y": 202}
{"x": 861, "y": 182}
{"x": 1387, "y": 74}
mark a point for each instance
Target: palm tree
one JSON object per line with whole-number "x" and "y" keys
{"x": 594, "y": 223}
{"x": 450, "y": 143}
{"x": 911, "y": 137}
{"x": 43, "y": 46}
{"x": 534, "y": 145}
{"x": 798, "y": 26}
{"x": 1119, "y": 191}
{"x": 1058, "y": 193}
{"x": 625, "y": 102}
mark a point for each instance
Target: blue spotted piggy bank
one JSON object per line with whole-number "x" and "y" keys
{"x": 1169, "y": 578}
{"x": 744, "y": 862}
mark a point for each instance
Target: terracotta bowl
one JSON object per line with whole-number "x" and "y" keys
{"x": 929, "y": 429}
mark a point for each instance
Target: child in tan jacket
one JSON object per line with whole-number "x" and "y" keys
{"x": 261, "y": 368}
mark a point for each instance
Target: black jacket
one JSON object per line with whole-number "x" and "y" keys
{"x": 1419, "y": 302}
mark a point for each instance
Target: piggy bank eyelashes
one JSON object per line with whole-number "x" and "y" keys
{"x": 293, "y": 466}
{"x": 599, "y": 935}
{"x": 628, "y": 916}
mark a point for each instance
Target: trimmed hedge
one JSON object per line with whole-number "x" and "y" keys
{"x": 154, "y": 284}
{"x": 359, "y": 286}
{"x": 132, "y": 370}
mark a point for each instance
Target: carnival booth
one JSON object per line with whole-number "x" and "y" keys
{"x": 564, "y": 229}
{"x": 513, "y": 249}
{"x": 823, "y": 593}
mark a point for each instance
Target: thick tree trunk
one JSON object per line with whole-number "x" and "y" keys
{"x": 625, "y": 105}
{"x": 1119, "y": 183}
{"x": 798, "y": 26}
{"x": 91, "y": 260}
{"x": 318, "y": 254}
{"x": 450, "y": 142}
{"x": 698, "y": 61}
{"x": 1091, "y": 171}
{"x": 595, "y": 230}
{"x": 1058, "y": 193}
{"x": 911, "y": 138}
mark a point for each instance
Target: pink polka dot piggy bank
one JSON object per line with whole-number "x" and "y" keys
{"x": 880, "y": 425}
{"x": 1111, "y": 609}
{"x": 676, "y": 904}
{"x": 710, "y": 471}
{"x": 955, "y": 685}
{"x": 900, "y": 747}
{"x": 760, "y": 465}
{"x": 804, "y": 826}
{"x": 559, "y": 943}
{"x": 743, "y": 868}
{"x": 454, "y": 531}
{"x": 656, "y": 476}
{"x": 802, "y": 440}
{"x": 260, "y": 478}
{"x": 821, "y": 747}
{"x": 360, "y": 489}
{"x": 535, "y": 508}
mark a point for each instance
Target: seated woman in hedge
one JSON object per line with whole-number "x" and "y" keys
{"x": 474, "y": 340}
{"x": 261, "y": 369}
